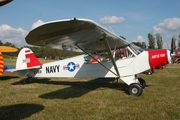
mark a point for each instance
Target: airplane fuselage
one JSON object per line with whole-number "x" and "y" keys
{"x": 79, "y": 67}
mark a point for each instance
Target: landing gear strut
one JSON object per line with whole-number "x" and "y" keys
{"x": 142, "y": 82}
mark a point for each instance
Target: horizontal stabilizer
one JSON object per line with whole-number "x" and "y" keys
{"x": 9, "y": 69}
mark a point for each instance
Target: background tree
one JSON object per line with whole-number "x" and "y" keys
{"x": 9, "y": 44}
{"x": 159, "y": 41}
{"x": 144, "y": 45}
{"x": 179, "y": 43}
{"x": 40, "y": 52}
{"x": 140, "y": 44}
{"x": 151, "y": 41}
{"x": 1, "y": 43}
{"x": 174, "y": 42}
{"x": 122, "y": 37}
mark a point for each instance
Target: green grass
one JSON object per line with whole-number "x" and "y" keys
{"x": 89, "y": 98}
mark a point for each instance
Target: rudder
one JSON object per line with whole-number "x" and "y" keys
{"x": 27, "y": 60}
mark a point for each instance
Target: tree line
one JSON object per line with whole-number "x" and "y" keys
{"x": 157, "y": 42}
{"x": 41, "y": 52}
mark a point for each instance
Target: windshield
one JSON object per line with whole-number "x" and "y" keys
{"x": 136, "y": 48}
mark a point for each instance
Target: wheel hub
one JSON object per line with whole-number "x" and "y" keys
{"x": 134, "y": 90}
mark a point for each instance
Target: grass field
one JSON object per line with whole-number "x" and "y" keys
{"x": 89, "y": 98}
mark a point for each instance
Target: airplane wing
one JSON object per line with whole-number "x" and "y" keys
{"x": 3, "y": 2}
{"x": 80, "y": 35}
{"x": 7, "y": 49}
{"x": 69, "y": 33}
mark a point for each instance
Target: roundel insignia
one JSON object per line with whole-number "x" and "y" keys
{"x": 71, "y": 66}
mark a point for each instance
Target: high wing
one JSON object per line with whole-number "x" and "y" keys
{"x": 70, "y": 33}
{"x": 3, "y": 2}
{"x": 80, "y": 35}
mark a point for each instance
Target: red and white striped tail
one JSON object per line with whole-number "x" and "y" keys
{"x": 27, "y": 60}
{"x": 1, "y": 64}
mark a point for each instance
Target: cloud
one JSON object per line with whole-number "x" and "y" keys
{"x": 170, "y": 24}
{"x": 167, "y": 25}
{"x": 159, "y": 30}
{"x": 112, "y": 20}
{"x": 168, "y": 28}
{"x": 36, "y": 24}
{"x": 15, "y": 36}
{"x": 139, "y": 39}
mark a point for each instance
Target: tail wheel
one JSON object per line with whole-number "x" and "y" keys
{"x": 135, "y": 89}
{"x": 150, "y": 72}
{"x": 142, "y": 82}
{"x": 27, "y": 80}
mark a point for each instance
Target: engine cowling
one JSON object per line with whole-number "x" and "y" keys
{"x": 159, "y": 58}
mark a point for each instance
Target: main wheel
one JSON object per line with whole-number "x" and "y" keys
{"x": 142, "y": 82}
{"x": 135, "y": 89}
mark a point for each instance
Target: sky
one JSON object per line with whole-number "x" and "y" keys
{"x": 133, "y": 19}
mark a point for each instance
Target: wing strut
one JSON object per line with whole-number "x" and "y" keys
{"x": 109, "y": 52}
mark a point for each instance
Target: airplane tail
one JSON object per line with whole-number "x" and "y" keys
{"x": 27, "y": 60}
{"x": 1, "y": 64}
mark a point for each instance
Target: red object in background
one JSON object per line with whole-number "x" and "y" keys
{"x": 1, "y": 64}
{"x": 94, "y": 60}
{"x": 177, "y": 52}
{"x": 3, "y": 2}
{"x": 158, "y": 58}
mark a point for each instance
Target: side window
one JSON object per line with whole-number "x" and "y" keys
{"x": 120, "y": 53}
{"x": 123, "y": 53}
{"x": 98, "y": 57}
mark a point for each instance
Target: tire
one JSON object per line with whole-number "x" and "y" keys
{"x": 150, "y": 72}
{"x": 142, "y": 82}
{"x": 135, "y": 89}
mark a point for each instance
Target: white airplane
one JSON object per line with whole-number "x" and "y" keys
{"x": 106, "y": 54}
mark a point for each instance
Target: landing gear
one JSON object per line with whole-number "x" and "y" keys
{"x": 142, "y": 82}
{"x": 27, "y": 80}
{"x": 135, "y": 89}
{"x": 136, "y": 85}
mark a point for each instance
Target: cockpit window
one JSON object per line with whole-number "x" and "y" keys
{"x": 128, "y": 51}
{"x": 136, "y": 49}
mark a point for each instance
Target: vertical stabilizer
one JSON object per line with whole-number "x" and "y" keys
{"x": 27, "y": 60}
{"x": 1, "y": 64}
